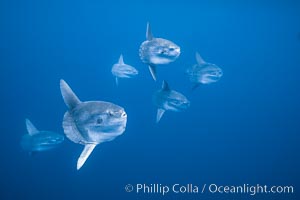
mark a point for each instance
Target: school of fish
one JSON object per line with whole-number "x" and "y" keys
{"x": 90, "y": 123}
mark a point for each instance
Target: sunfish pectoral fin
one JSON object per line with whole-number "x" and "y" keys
{"x": 149, "y": 35}
{"x": 31, "y": 129}
{"x": 199, "y": 59}
{"x": 88, "y": 148}
{"x": 160, "y": 113}
{"x": 70, "y": 98}
{"x": 152, "y": 69}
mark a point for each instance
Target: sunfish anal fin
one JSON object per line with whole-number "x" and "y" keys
{"x": 152, "y": 69}
{"x": 30, "y": 127}
{"x": 117, "y": 81}
{"x": 160, "y": 113}
{"x": 149, "y": 35}
{"x": 88, "y": 148}
{"x": 70, "y": 98}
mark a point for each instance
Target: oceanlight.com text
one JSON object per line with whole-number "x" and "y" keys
{"x": 247, "y": 189}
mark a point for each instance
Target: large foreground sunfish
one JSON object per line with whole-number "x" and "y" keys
{"x": 91, "y": 122}
{"x": 37, "y": 140}
{"x": 156, "y": 51}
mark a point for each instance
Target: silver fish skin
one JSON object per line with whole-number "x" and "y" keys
{"x": 204, "y": 74}
{"x": 158, "y": 51}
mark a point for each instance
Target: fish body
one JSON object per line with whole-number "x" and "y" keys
{"x": 37, "y": 140}
{"x": 203, "y": 72}
{"x": 167, "y": 99}
{"x": 90, "y": 123}
{"x": 157, "y": 51}
{"x": 122, "y": 70}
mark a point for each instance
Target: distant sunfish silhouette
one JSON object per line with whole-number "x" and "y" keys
{"x": 167, "y": 99}
{"x": 91, "y": 122}
{"x": 203, "y": 72}
{"x": 37, "y": 140}
{"x": 122, "y": 70}
{"x": 156, "y": 51}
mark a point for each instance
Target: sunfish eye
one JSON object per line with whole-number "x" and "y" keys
{"x": 171, "y": 48}
{"x": 163, "y": 51}
{"x": 124, "y": 114}
{"x": 99, "y": 120}
{"x": 176, "y": 102}
{"x": 110, "y": 113}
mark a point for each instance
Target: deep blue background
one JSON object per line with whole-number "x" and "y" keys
{"x": 243, "y": 129}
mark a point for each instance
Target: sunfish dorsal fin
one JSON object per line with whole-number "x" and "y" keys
{"x": 152, "y": 69}
{"x": 31, "y": 129}
{"x": 159, "y": 114}
{"x": 199, "y": 59}
{"x": 70, "y": 98}
{"x": 121, "y": 61}
{"x": 149, "y": 35}
{"x": 165, "y": 86}
{"x": 88, "y": 148}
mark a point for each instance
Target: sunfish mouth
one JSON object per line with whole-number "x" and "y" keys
{"x": 110, "y": 129}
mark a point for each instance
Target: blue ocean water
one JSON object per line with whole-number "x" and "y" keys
{"x": 243, "y": 129}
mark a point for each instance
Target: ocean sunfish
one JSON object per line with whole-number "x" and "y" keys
{"x": 203, "y": 72}
{"x": 90, "y": 123}
{"x": 122, "y": 70}
{"x": 156, "y": 51}
{"x": 37, "y": 140}
{"x": 167, "y": 99}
